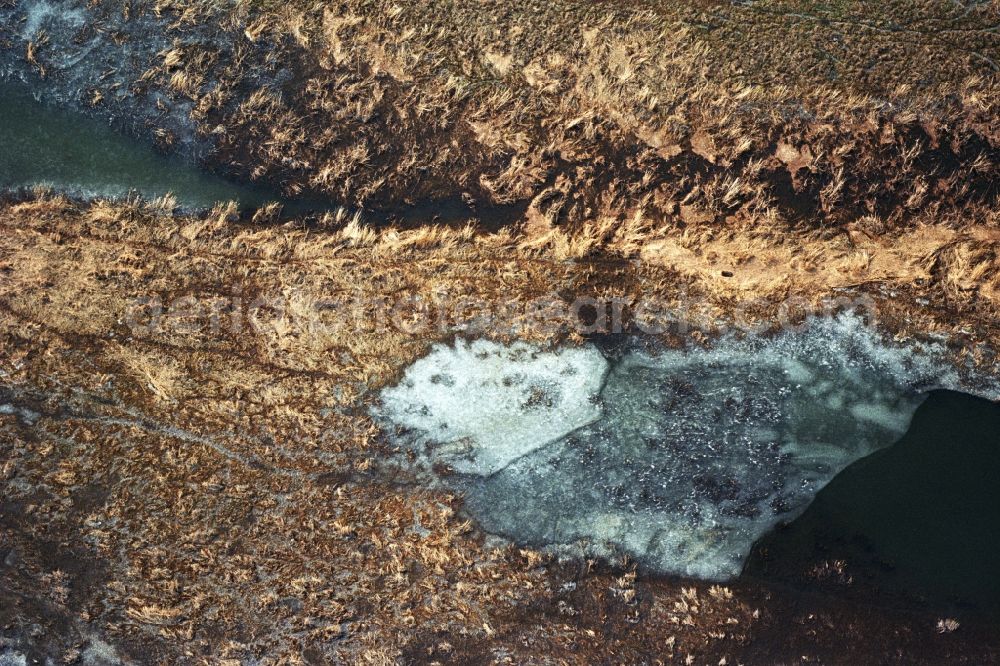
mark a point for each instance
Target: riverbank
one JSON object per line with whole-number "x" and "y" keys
{"x": 846, "y": 114}
{"x": 188, "y": 411}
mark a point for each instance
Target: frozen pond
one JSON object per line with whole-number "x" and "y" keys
{"x": 680, "y": 458}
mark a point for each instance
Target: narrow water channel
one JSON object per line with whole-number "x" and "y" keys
{"x": 43, "y": 146}
{"x": 68, "y": 152}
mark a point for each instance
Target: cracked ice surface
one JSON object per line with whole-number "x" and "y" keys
{"x": 685, "y": 458}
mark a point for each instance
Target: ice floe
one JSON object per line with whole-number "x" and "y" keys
{"x": 478, "y": 406}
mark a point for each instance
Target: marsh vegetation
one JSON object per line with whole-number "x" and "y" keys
{"x": 193, "y": 468}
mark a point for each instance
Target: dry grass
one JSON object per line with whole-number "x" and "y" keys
{"x": 691, "y": 151}
{"x": 690, "y": 109}
{"x": 243, "y": 497}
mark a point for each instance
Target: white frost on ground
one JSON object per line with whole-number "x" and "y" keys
{"x": 687, "y": 457}
{"x": 39, "y": 14}
{"x": 480, "y": 406}
{"x": 26, "y": 415}
{"x": 96, "y": 653}
{"x": 100, "y": 653}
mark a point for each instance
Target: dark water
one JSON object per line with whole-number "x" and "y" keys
{"x": 44, "y": 146}
{"x": 65, "y": 151}
{"x": 917, "y": 522}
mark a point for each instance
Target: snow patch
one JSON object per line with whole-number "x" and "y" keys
{"x": 27, "y": 416}
{"x": 100, "y": 653}
{"x": 479, "y": 406}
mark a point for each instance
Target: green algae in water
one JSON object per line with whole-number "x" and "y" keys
{"x": 917, "y": 521}
{"x": 68, "y": 152}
